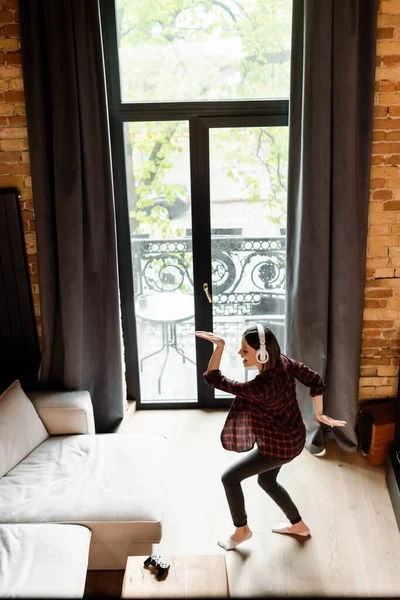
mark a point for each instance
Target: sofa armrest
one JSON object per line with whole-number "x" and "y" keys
{"x": 64, "y": 413}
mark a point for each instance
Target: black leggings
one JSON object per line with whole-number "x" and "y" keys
{"x": 267, "y": 470}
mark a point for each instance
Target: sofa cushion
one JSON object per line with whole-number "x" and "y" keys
{"x": 21, "y": 429}
{"x": 45, "y": 561}
{"x": 91, "y": 480}
{"x": 64, "y": 413}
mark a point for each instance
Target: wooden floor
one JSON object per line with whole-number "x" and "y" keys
{"x": 354, "y": 549}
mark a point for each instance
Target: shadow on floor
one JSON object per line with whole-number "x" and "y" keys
{"x": 104, "y": 583}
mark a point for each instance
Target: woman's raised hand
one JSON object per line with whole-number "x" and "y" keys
{"x": 211, "y": 337}
{"x": 331, "y": 422}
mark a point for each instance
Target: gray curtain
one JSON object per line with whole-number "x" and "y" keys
{"x": 72, "y": 187}
{"x": 331, "y": 110}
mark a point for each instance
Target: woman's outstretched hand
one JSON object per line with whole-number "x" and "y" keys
{"x": 331, "y": 422}
{"x": 211, "y": 337}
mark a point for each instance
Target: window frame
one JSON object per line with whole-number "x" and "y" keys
{"x": 201, "y": 115}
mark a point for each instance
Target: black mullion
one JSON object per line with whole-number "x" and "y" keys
{"x": 201, "y": 243}
{"x": 125, "y": 262}
{"x": 277, "y": 120}
{"x": 111, "y": 61}
{"x": 182, "y": 111}
{"x": 167, "y": 405}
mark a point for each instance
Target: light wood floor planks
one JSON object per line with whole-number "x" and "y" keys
{"x": 354, "y": 549}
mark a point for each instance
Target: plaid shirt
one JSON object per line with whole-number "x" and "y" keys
{"x": 265, "y": 410}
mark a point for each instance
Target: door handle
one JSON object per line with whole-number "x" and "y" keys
{"x": 207, "y": 293}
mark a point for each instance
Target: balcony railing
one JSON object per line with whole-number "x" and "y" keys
{"x": 248, "y": 274}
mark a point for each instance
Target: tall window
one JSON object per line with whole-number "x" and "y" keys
{"x": 198, "y": 96}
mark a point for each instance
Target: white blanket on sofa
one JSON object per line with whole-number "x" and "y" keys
{"x": 89, "y": 478}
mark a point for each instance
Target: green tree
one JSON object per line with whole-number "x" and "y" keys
{"x": 174, "y": 50}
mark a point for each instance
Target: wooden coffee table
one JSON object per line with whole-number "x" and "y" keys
{"x": 189, "y": 576}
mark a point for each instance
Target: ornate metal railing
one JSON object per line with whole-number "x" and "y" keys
{"x": 248, "y": 274}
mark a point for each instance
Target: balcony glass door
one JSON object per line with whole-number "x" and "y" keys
{"x": 207, "y": 205}
{"x": 248, "y": 172}
{"x": 157, "y": 162}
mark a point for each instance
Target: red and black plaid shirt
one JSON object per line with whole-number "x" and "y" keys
{"x": 265, "y": 410}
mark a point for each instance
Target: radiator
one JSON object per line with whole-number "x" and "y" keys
{"x": 19, "y": 346}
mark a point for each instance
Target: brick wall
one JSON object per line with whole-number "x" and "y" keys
{"x": 14, "y": 150}
{"x": 381, "y": 330}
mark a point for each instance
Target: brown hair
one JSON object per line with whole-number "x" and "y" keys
{"x": 271, "y": 344}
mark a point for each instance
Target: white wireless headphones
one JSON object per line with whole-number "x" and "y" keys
{"x": 262, "y": 355}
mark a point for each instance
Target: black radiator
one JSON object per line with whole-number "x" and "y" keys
{"x": 19, "y": 346}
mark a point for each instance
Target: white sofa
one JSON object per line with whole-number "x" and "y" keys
{"x": 54, "y": 469}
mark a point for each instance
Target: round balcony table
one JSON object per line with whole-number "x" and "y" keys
{"x": 166, "y": 309}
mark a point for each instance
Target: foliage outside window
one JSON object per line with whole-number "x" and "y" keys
{"x": 190, "y": 50}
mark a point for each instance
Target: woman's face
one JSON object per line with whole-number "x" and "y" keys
{"x": 248, "y": 355}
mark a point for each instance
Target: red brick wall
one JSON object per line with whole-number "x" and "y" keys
{"x": 14, "y": 149}
{"x": 381, "y": 331}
